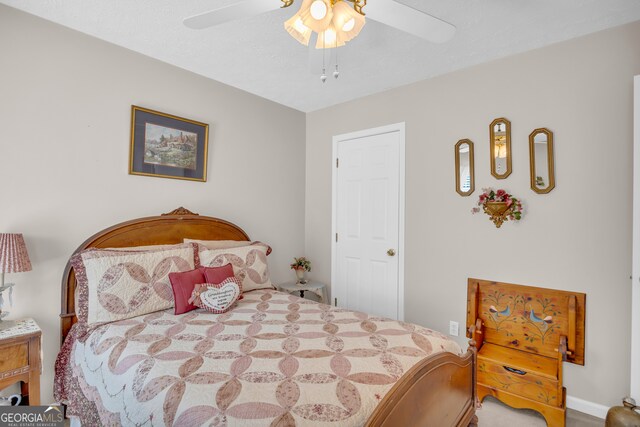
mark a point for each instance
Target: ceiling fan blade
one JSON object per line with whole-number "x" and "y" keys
{"x": 410, "y": 20}
{"x": 240, "y": 10}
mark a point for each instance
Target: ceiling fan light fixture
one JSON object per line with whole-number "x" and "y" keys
{"x": 296, "y": 28}
{"x": 318, "y": 10}
{"x": 347, "y": 20}
{"x": 329, "y": 38}
{"x": 316, "y": 14}
{"x": 348, "y": 26}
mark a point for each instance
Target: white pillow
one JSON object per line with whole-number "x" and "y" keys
{"x": 119, "y": 284}
{"x": 126, "y": 249}
{"x": 249, "y": 264}
{"x": 225, "y": 244}
{"x": 219, "y": 244}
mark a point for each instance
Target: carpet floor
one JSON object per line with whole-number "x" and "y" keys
{"x": 496, "y": 414}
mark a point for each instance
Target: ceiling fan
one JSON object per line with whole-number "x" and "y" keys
{"x": 334, "y": 21}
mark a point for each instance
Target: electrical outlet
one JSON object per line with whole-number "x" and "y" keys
{"x": 453, "y": 328}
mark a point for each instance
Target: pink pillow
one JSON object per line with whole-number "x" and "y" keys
{"x": 182, "y": 285}
{"x": 118, "y": 298}
{"x": 217, "y": 298}
{"x": 216, "y": 274}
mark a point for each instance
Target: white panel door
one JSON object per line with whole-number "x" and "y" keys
{"x": 366, "y": 222}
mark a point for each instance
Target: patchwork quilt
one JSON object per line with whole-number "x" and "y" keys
{"x": 273, "y": 360}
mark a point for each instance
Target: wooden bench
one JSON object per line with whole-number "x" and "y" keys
{"x": 524, "y": 334}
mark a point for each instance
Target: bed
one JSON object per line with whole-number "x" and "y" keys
{"x": 273, "y": 360}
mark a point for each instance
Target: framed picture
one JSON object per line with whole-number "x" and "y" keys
{"x": 167, "y": 146}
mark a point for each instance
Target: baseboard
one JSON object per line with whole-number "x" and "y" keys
{"x": 586, "y": 407}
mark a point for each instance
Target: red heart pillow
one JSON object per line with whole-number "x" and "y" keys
{"x": 217, "y": 298}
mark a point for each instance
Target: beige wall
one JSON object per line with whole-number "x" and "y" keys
{"x": 582, "y": 91}
{"x": 65, "y": 102}
{"x": 64, "y": 120}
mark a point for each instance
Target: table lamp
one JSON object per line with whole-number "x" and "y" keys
{"x": 13, "y": 259}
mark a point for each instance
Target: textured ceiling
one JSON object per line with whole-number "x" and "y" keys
{"x": 258, "y": 56}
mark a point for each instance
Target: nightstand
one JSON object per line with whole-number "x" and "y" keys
{"x": 20, "y": 358}
{"x": 317, "y": 288}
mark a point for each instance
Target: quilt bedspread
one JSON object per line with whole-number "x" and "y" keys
{"x": 275, "y": 359}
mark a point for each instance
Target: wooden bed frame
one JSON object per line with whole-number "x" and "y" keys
{"x": 438, "y": 391}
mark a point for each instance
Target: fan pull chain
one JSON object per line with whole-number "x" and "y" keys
{"x": 336, "y": 73}
{"x": 323, "y": 77}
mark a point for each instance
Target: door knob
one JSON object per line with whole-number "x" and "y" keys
{"x": 391, "y": 252}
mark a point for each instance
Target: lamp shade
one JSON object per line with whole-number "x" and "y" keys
{"x": 316, "y": 14}
{"x": 329, "y": 39}
{"x": 13, "y": 254}
{"x": 347, "y": 21}
{"x": 298, "y": 31}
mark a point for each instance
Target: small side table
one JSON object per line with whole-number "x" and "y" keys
{"x": 317, "y": 288}
{"x": 20, "y": 357}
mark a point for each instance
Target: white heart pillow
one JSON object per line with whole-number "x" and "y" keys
{"x": 217, "y": 298}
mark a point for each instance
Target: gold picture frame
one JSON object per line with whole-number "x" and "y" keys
{"x": 167, "y": 146}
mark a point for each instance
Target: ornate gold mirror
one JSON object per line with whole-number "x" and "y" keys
{"x": 464, "y": 167}
{"x": 500, "y": 141}
{"x": 543, "y": 177}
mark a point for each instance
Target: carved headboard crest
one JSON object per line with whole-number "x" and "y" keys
{"x": 180, "y": 211}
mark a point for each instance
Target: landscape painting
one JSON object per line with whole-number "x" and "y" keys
{"x": 167, "y": 146}
{"x": 170, "y": 147}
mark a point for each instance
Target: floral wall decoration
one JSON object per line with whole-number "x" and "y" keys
{"x": 499, "y": 205}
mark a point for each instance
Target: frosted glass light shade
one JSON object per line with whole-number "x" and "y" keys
{"x": 298, "y": 30}
{"x": 318, "y": 10}
{"x": 329, "y": 38}
{"x": 347, "y": 21}
{"x": 335, "y": 25}
{"x": 308, "y": 18}
{"x": 349, "y": 25}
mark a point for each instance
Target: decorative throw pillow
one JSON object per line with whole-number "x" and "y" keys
{"x": 218, "y": 244}
{"x": 116, "y": 285}
{"x": 143, "y": 248}
{"x": 138, "y": 249}
{"x": 216, "y": 274}
{"x": 183, "y": 284}
{"x": 249, "y": 264}
{"x": 217, "y": 298}
{"x": 225, "y": 244}
{"x": 149, "y": 248}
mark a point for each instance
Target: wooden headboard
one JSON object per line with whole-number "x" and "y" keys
{"x": 166, "y": 229}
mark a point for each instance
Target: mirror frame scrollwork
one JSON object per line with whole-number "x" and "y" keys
{"x": 550, "y": 164}
{"x": 507, "y": 124}
{"x": 471, "y": 168}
